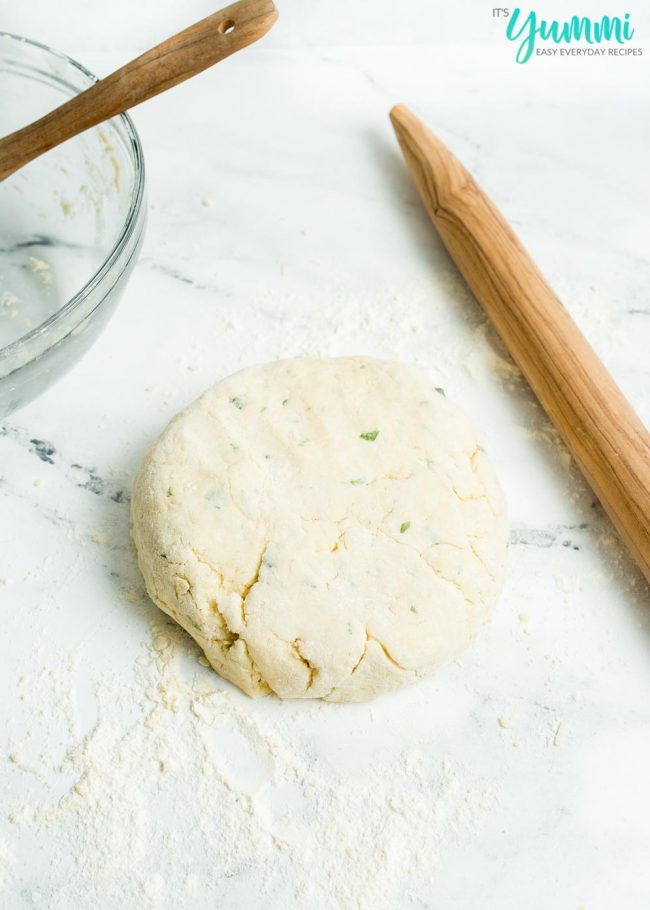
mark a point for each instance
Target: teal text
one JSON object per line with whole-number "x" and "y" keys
{"x": 577, "y": 28}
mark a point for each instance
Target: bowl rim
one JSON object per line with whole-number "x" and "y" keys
{"x": 128, "y": 228}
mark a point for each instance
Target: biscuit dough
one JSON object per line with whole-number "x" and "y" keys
{"x": 324, "y": 528}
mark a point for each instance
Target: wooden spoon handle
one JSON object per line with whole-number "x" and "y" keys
{"x": 607, "y": 439}
{"x": 185, "y": 54}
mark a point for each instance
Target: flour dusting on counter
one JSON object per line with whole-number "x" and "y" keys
{"x": 240, "y": 794}
{"x": 143, "y": 776}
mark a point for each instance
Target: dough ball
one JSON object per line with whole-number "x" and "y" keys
{"x": 322, "y": 528}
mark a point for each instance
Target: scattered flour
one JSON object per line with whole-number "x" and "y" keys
{"x": 560, "y": 734}
{"x": 161, "y": 787}
{"x": 238, "y": 798}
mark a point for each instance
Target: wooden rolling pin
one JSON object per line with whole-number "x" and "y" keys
{"x": 605, "y": 436}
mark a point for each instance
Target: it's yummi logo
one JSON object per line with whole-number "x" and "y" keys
{"x": 530, "y": 29}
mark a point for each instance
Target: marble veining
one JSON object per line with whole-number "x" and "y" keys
{"x": 315, "y": 242}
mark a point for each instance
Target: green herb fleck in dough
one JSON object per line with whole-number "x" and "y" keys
{"x": 413, "y": 610}
{"x": 480, "y": 449}
{"x": 285, "y": 402}
{"x": 163, "y": 556}
{"x": 268, "y": 562}
{"x": 239, "y": 403}
{"x": 405, "y": 525}
{"x": 370, "y": 435}
{"x": 440, "y": 390}
{"x": 169, "y": 492}
{"x": 356, "y": 481}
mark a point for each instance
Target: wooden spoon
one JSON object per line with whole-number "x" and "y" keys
{"x": 180, "y": 57}
{"x": 605, "y": 436}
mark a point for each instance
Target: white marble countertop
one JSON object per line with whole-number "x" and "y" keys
{"x": 282, "y": 222}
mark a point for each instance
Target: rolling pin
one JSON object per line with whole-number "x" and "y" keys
{"x": 608, "y": 441}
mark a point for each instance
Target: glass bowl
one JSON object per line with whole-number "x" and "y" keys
{"x": 71, "y": 225}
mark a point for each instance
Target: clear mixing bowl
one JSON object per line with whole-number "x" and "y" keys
{"x": 71, "y": 225}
